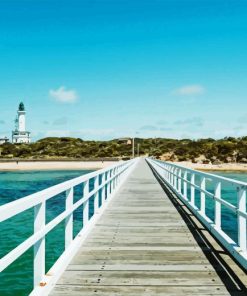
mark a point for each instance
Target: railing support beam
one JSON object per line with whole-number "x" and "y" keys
{"x": 242, "y": 220}
{"x": 69, "y": 219}
{"x": 203, "y": 196}
{"x": 103, "y": 191}
{"x": 192, "y": 190}
{"x": 39, "y": 246}
{"x": 217, "y": 206}
{"x": 185, "y": 184}
{"x": 96, "y": 196}
{"x": 86, "y": 203}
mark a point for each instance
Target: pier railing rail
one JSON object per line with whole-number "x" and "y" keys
{"x": 106, "y": 181}
{"x": 181, "y": 181}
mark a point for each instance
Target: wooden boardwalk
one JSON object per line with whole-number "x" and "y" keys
{"x": 147, "y": 243}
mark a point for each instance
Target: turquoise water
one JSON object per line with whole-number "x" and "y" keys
{"x": 17, "y": 278}
{"x": 240, "y": 176}
{"x": 228, "y": 193}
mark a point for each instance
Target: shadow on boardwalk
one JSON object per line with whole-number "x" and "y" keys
{"x": 231, "y": 274}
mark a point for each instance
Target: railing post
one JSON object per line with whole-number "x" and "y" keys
{"x": 203, "y": 196}
{"x": 179, "y": 180}
{"x": 103, "y": 190}
{"x": 108, "y": 187}
{"x": 111, "y": 182}
{"x": 185, "y": 184}
{"x": 161, "y": 171}
{"x": 217, "y": 206}
{"x": 86, "y": 203}
{"x": 69, "y": 219}
{"x": 39, "y": 246}
{"x": 164, "y": 173}
{"x": 96, "y": 196}
{"x": 170, "y": 175}
{"x": 114, "y": 179}
{"x": 241, "y": 219}
{"x": 175, "y": 178}
{"x": 192, "y": 190}
{"x": 117, "y": 170}
{"x": 117, "y": 177}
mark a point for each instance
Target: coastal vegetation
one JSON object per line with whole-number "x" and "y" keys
{"x": 207, "y": 150}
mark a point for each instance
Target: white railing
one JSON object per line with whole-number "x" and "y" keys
{"x": 182, "y": 181}
{"x": 106, "y": 181}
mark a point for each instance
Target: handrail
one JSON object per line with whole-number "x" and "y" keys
{"x": 111, "y": 178}
{"x": 176, "y": 177}
{"x": 15, "y": 207}
{"x": 205, "y": 174}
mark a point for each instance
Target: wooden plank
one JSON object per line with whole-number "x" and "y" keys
{"x": 140, "y": 278}
{"x": 144, "y": 267}
{"x": 64, "y": 290}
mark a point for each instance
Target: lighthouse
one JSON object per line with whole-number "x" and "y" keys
{"x": 20, "y": 135}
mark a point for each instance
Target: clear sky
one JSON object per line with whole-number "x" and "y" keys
{"x": 100, "y": 69}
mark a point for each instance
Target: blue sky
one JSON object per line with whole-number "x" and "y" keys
{"x": 102, "y": 69}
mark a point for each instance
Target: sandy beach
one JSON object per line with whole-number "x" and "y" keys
{"x": 54, "y": 165}
{"x": 94, "y": 165}
{"x": 241, "y": 167}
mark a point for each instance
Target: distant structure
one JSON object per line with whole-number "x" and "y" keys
{"x": 20, "y": 135}
{"x": 127, "y": 141}
{"x": 4, "y": 140}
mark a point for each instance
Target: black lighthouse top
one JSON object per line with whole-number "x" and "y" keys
{"x": 21, "y": 107}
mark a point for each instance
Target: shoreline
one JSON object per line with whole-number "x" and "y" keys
{"x": 224, "y": 167}
{"x": 95, "y": 165}
{"x": 54, "y": 165}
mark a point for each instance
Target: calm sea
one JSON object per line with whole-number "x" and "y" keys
{"x": 17, "y": 279}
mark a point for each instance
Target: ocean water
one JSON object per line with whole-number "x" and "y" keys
{"x": 228, "y": 193}
{"x": 17, "y": 278}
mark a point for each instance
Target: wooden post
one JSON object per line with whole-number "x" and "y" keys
{"x": 203, "y": 196}
{"x": 103, "y": 190}
{"x": 96, "y": 196}
{"x": 179, "y": 180}
{"x": 69, "y": 219}
{"x": 86, "y": 203}
{"x": 217, "y": 206}
{"x": 192, "y": 190}
{"x": 241, "y": 219}
{"x": 39, "y": 246}
{"x": 185, "y": 184}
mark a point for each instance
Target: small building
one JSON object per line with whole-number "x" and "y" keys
{"x": 127, "y": 141}
{"x": 4, "y": 140}
{"x": 20, "y": 135}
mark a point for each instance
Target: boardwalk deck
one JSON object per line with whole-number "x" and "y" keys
{"x": 147, "y": 243}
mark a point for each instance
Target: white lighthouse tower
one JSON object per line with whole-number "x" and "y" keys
{"x": 20, "y": 135}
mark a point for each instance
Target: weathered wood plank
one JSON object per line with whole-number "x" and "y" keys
{"x": 140, "y": 278}
{"x": 73, "y": 290}
{"x": 144, "y": 267}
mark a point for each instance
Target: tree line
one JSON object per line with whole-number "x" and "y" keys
{"x": 208, "y": 150}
